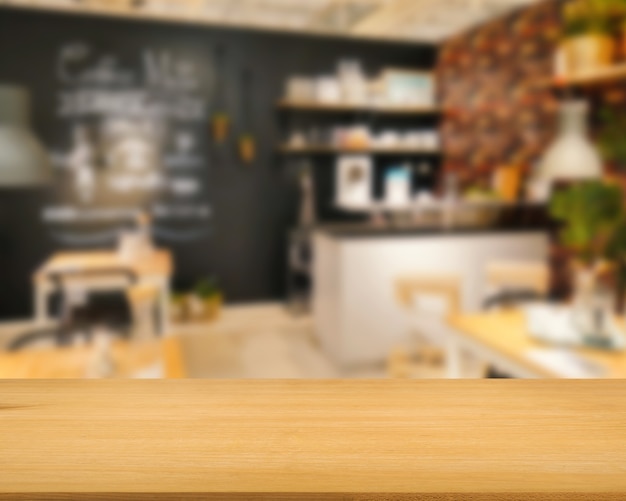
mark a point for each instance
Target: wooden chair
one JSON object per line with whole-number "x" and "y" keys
{"x": 143, "y": 300}
{"x": 429, "y": 299}
{"x": 512, "y": 282}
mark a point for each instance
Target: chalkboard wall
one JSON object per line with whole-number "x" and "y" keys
{"x": 248, "y": 209}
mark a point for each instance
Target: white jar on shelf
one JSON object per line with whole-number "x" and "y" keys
{"x": 398, "y": 187}
{"x": 354, "y": 86}
{"x": 327, "y": 90}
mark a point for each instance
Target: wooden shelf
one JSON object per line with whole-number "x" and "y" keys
{"x": 356, "y": 108}
{"x": 494, "y": 205}
{"x": 608, "y": 75}
{"x": 332, "y": 150}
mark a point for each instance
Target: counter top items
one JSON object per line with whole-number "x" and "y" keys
{"x": 386, "y": 230}
{"x": 23, "y": 160}
{"x": 517, "y": 352}
{"x": 507, "y": 181}
{"x": 566, "y": 326}
{"x": 299, "y": 440}
{"x": 354, "y": 176}
{"x": 426, "y": 210}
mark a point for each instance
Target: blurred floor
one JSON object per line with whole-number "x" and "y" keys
{"x": 254, "y": 342}
{"x": 263, "y": 341}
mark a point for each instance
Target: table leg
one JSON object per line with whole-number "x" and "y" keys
{"x": 164, "y": 308}
{"x": 453, "y": 359}
{"x": 41, "y": 304}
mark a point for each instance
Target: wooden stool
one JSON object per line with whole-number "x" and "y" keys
{"x": 143, "y": 299}
{"x": 401, "y": 362}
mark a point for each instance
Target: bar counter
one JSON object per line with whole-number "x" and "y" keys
{"x": 435, "y": 440}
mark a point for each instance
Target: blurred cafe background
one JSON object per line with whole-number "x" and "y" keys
{"x": 312, "y": 188}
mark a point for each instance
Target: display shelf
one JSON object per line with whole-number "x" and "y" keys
{"x": 357, "y": 108}
{"x": 608, "y": 75}
{"x": 378, "y": 206}
{"x": 370, "y": 150}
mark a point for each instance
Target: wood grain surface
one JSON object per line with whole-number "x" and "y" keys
{"x": 160, "y": 263}
{"x": 435, "y": 440}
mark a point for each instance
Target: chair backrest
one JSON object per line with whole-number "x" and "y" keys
{"x": 514, "y": 282}
{"x": 437, "y": 294}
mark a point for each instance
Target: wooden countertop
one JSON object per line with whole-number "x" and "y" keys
{"x": 506, "y": 332}
{"x": 239, "y": 439}
{"x": 159, "y": 263}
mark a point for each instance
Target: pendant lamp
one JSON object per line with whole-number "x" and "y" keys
{"x": 23, "y": 160}
{"x": 572, "y": 157}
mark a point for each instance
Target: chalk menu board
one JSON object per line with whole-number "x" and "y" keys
{"x": 135, "y": 126}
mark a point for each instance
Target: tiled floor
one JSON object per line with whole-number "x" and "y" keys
{"x": 258, "y": 341}
{"x": 262, "y": 341}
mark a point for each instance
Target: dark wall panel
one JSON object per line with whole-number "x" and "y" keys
{"x": 253, "y": 206}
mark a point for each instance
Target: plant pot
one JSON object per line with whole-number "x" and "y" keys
{"x": 221, "y": 125}
{"x": 206, "y": 309}
{"x": 247, "y": 149}
{"x": 179, "y": 309}
{"x": 589, "y": 53}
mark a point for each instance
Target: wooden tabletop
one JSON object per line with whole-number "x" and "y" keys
{"x": 130, "y": 358}
{"x": 159, "y": 263}
{"x": 522, "y": 440}
{"x": 506, "y": 333}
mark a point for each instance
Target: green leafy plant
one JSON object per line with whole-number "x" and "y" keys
{"x": 611, "y": 137}
{"x": 584, "y": 17}
{"x": 177, "y": 297}
{"x": 207, "y": 288}
{"x": 591, "y": 213}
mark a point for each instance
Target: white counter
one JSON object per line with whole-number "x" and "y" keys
{"x": 357, "y": 319}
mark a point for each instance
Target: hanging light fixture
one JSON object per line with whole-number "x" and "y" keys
{"x": 572, "y": 157}
{"x": 23, "y": 160}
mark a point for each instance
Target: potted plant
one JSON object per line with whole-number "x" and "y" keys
{"x": 591, "y": 214}
{"x": 588, "y": 35}
{"x": 208, "y": 299}
{"x": 247, "y": 148}
{"x": 179, "y": 307}
{"x": 611, "y": 138}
